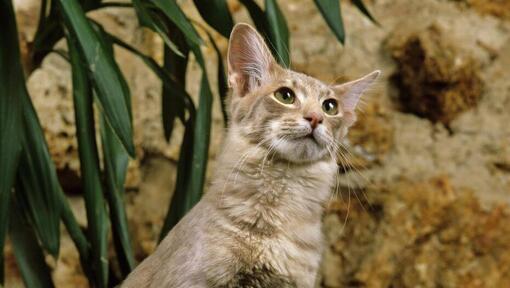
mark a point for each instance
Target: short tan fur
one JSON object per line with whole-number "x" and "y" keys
{"x": 259, "y": 223}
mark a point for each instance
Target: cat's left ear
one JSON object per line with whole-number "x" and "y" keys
{"x": 349, "y": 93}
{"x": 250, "y": 61}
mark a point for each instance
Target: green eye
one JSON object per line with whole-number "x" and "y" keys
{"x": 330, "y": 107}
{"x": 285, "y": 95}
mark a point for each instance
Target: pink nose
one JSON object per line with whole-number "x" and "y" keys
{"x": 314, "y": 119}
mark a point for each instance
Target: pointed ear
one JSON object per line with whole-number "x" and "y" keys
{"x": 349, "y": 93}
{"x": 249, "y": 59}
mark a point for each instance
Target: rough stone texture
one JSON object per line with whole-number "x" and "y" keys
{"x": 436, "y": 81}
{"x": 449, "y": 230}
{"x": 436, "y": 236}
{"x": 499, "y": 8}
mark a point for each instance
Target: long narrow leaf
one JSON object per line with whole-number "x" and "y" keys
{"x": 38, "y": 184}
{"x": 332, "y": 13}
{"x": 116, "y": 161}
{"x": 278, "y": 32}
{"x": 108, "y": 81}
{"x": 89, "y": 162}
{"x": 222, "y": 80}
{"x": 148, "y": 19}
{"x": 10, "y": 113}
{"x": 185, "y": 196}
{"x": 76, "y": 234}
{"x": 175, "y": 14}
{"x": 115, "y": 167}
{"x": 177, "y": 210}
{"x": 180, "y": 97}
{"x": 39, "y": 181}
{"x": 201, "y": 139}
{"x": 363, "y": 9}
{"x": 49, "y": 32}
{"x": 29, "y": 256}
{"x": 216, "y": 14}
{"x": 258, "y": 17}
{"x": 176, "y": 67}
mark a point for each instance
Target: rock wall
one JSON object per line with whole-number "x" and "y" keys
{"x": 423, "y": 187}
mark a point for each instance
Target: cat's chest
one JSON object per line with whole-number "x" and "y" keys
{"x": 287, "y": 259}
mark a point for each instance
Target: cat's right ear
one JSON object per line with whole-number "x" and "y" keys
{"x": 249, "y": 60}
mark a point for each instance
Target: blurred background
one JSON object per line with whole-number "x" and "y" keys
{"x": 424, "y": 185}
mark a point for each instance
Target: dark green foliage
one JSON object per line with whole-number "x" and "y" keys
{"x": 10, "y": 114}
{"x": 278, "y": 32}
{"x": 222, "y": 81}
{"x": 363, "y": 9}
{"x": 89, "y": 161}
{"x": 175, "y": 66}
{"x": 32, "y": 202}
{"x": 109, "y": 83}
{"x": 333, "y": 15}
{"x": 216, "y": 14}
{"x": 28, "y": 254}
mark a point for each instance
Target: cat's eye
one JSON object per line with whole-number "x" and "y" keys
{"x": 285, "y": 95}
{"x": 330, "y": 106}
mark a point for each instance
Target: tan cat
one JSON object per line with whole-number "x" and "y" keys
{"x": 259, "y": 224}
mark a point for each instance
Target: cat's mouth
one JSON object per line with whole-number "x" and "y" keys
{"x": 309, "y": 136}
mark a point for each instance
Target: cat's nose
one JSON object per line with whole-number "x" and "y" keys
{"x": 314, "y": 119}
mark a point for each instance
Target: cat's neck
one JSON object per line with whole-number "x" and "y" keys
{"x": 257, "y": 190}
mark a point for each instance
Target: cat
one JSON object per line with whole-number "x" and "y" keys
{"x": 259, "y": 223}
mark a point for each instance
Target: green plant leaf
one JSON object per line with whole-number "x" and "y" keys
{"x": 332, "y": 13}
{"x": 115, "y": 168}
{"x": 258, "y": 17}
{"x": 176, "y": 67}
{"x": 73, "y": 228}
{"x": 216, "y": 14}
{"x": 38, "y": 183}
{"x": 150, "y": 20}
{"x": 103, "y": 71}
{"x": 193, "y": 155}
{"x": 12, "y": 88}
{"x": 29, "y": 256}
{"x": 116, "y": 161}
{"x": 177, "y": 209}
{"x": 222, "y": 80}
{"x": 201, "y": 139}
{"x": 180, "y": 97}
{"x": 49, "y": 32}
{"x": 89, "y": 161}
{"x": 175, "y": 14}
{"x": 278, "y": 32}
{"x": 38, "y": 179}
{"x": 363, "y": 9}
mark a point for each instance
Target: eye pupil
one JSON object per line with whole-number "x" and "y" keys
{"x": 330, "y": 106}
{"x": 285, "y": 95}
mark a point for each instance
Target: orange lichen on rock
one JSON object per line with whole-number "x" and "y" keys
{"x": 369, "y": 139}
{"x": 372, "y": 131}
{"x": 436, "y": 80}
{"x": 418, "y": 234}
{"x": 498, "y": 8}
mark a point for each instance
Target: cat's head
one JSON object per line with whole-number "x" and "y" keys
{"x": 298, "y": 117}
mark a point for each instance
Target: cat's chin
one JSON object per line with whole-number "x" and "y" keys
{"x": 301, "y": 150}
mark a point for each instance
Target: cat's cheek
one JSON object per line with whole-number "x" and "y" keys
{"x": 274, "y": 126}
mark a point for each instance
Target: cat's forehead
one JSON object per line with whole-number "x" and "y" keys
{"x": 305, "y": 84}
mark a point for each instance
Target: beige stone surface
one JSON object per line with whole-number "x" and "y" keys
{"x": 471, "y": 156}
